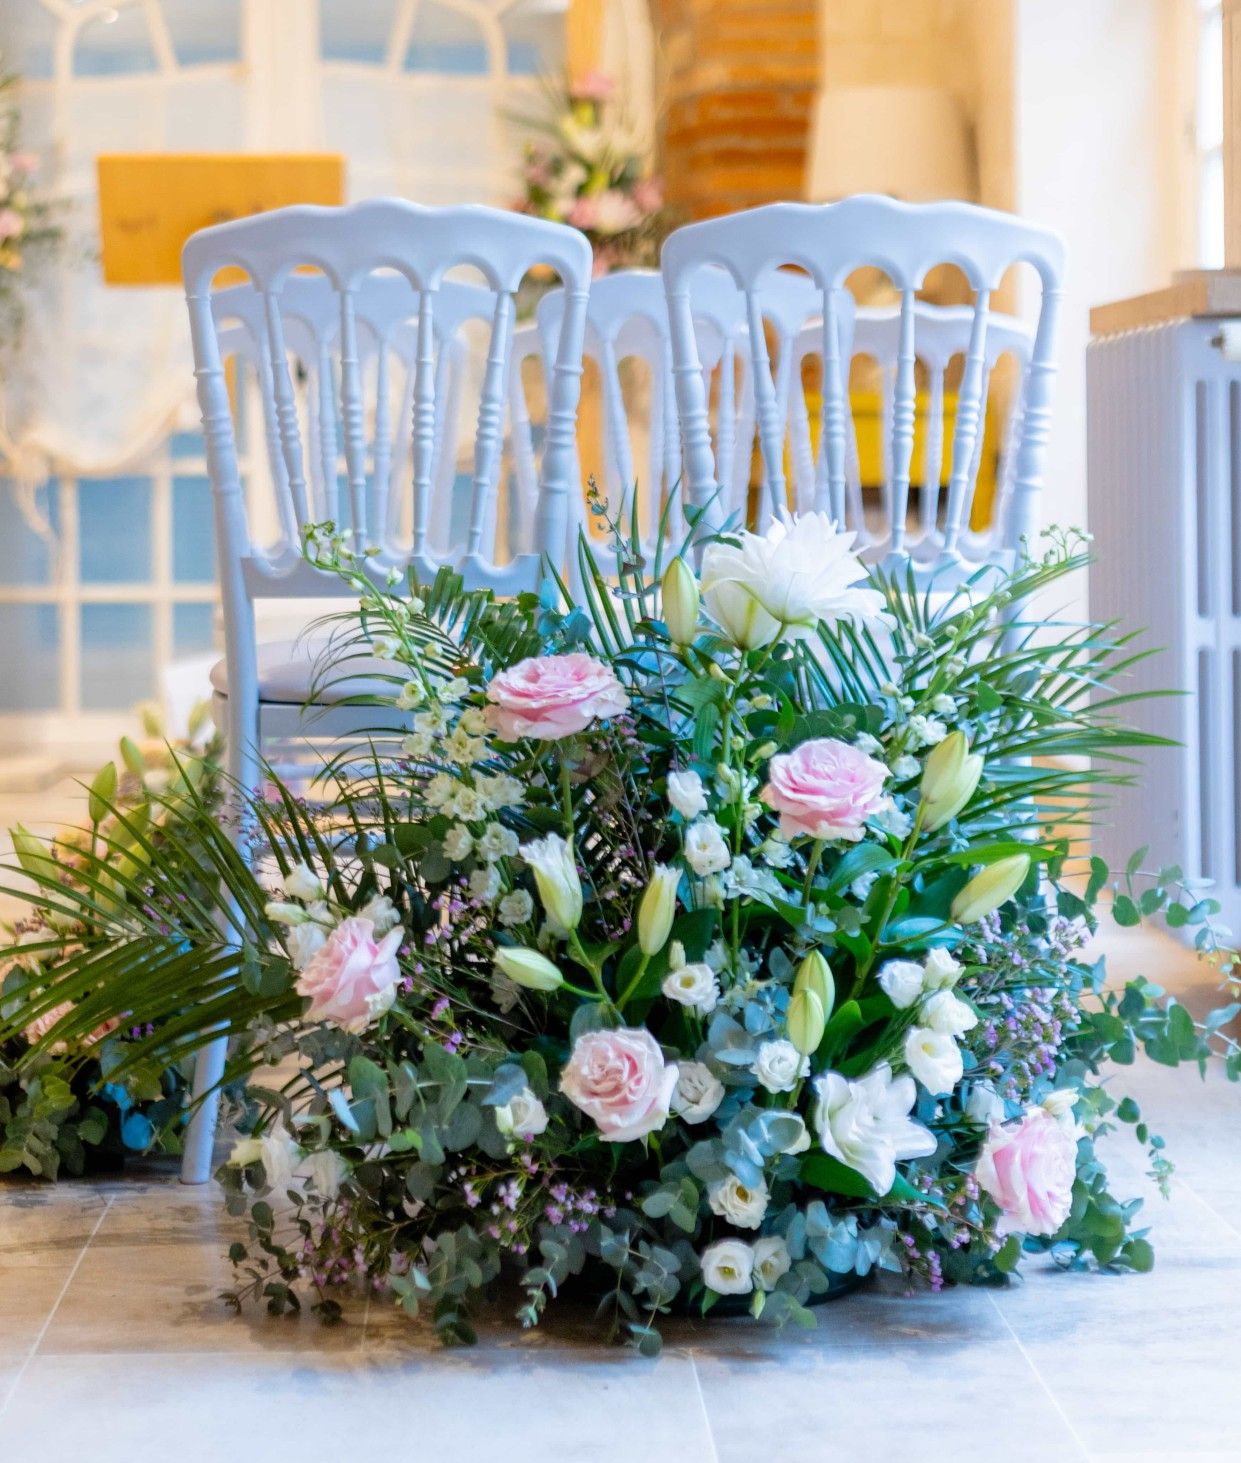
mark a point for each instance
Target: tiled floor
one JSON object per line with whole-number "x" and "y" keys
{"x": 114, "y": 1347}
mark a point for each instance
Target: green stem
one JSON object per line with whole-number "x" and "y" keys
{"x": 812, "y": 868}
{"x": 634, "y": 983}
{"x": 566, "y": 795}
{"x": 865, "y": 969}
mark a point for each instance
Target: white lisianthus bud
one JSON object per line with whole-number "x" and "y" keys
{"x": 815, "y": 974}
{"x": 285, "y": 914}
{"x": 942, "y": 1011}
{"x": 901, "y": 982}
{"x": 522, "y": 1116}
{"x": 301, "y": 883}
{"x": 698, "y": 1092}
{"x": 705, "y": 849}
{"x": 949, "y": 780}
{"x": 555, "y": 873}
{"x": 990, "y": 888}
{"x": 382, "y": 913}
{"x": 679, "y": 590}
{"x": 686, "y": 794}
{"x": 779, "y": 1065}
{"x": 941, "y": 970}
{"x": 805, "y": 1021}
{"x": 657, "y": 909}
{"x": 525, "y": 967}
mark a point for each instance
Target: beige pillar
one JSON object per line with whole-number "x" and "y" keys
{"x": 583, "y": 37}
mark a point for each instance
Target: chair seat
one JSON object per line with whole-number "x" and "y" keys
{"x": 291, "y": 670}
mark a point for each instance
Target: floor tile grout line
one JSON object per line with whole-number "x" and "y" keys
{"x": 1086, "y": 1454}
{"x": 1208, "y": 1206}
{"x": 47, "y": 1320}
{"x": 702, "y": 1402}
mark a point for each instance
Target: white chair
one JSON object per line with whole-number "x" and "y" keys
{"x": 349, "y": 247}
{"x": 829, "y": 242}
{"x": 941, "y": 334}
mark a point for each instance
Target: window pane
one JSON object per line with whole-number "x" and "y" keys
{"x": 114, "y": 527}
{"x": 25, "y": 556}
{"x": 114, "y": 42}
{"x": 186, "y": 444}
{"x": 193, "y": 629}
{"x": 355, "y": 30}
{"x": 29, "y": 657}
{"x": 193, "y": 535}
{"x": 1210, "y": 123}
{"x": 117, "y": 662}
{"x": 446, "y": 42}
{"x": 204, "y": 30}
{"x": 535, "y": 36}
{"x": 1211, "y": 212}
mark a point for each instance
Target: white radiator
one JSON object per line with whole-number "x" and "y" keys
{"x": 1164, "y": 467}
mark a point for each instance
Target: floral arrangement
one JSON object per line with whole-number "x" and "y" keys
{"x": 25, "y": 218}
{"x": 584, "y": 168}
{"x": 61, "y": 1107}
{"x": 713, "y": 942}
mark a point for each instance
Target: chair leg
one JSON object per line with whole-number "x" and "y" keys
{"x": 242, "y": 734}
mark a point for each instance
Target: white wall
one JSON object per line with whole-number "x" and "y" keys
{"x": 1096, "y": 105}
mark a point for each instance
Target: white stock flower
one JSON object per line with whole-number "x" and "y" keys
{"x": 301, "y": 883}
{"x": 698, "y": 1092}
{"x": 522, "y": 1116}
{"x": 686, "y": 794}
{"x": 777, "y": 852}
{"x": 901, "y": 982}
{"x": 693, "y": 985}
{"x": 949, "y": 1014}
{"x": 893, "y": 820}
{"x": 926, "y": 731}
{"x": 941, "y": 970}
{"x": 458, "y": 843}
{"x": 439, "y": 790}
{"x": 944, "y": 705}
{"x": 466, "y": 804}
{"x": 304, "y": 942}
{"x": 496, "y": 842}
{"x": 933, "y": 1058}
{"x": 771, "y": 1261}
{"x": 778, "y": 1066}
{"x": 324, "y": 1172}
{"x": 863, "y": 884}
{"x": 866, "y": 1124}
{"x": 501, "y": 791}
{"x": 705, "y": 849}
{"x": 905, "y": 766}
{"x": 728, "y": 1267}
{"x": 381, "y": 912}
{"x": 789, "y": 579}
{"x": 419, "y": 745}
{"x": 485, "y": 884}
{"x": 739, "y": 1203}
{"x": 516, "y": 908}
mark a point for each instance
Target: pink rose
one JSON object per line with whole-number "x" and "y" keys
{"x": 23, "y": 162}
{"x": 620, "y": 1079}
{"x": 553, "y": 696}
{"x": 584, "y": 214}
{"x": 825, "y": 789}
{"x": 41, "y": 1025}
{"x": 648, "y": 194}
{"x": 1029, "y": 1170}
{"x": 593, "y": 87}
{"x": 10, "y": 223}
{"x": 352, "y": 980}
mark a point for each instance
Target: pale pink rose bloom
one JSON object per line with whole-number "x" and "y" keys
{"x": 648, "y": 194}
{"x": 23, "y": 162}
{"x": 593, "y": 87}
{"x": 1028, "y": 1170}
{"x": 41, "y": 1025}
{"x": 620, "y": 1079}
{"x": 553, "y": 696}
{"x": 10, "y": 223}
{"x": 825, "y": 789}
{"x": 584, "y": 214}
{"x": 352, "y": 980}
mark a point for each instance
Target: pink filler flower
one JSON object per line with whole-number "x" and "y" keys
{"x": 825, "y": 789}
{"x": 620, "y": 1079}
{"x": 1029, "y": 1170}
{"x": 553, "y": 696}
{"x": 352, "y": 980}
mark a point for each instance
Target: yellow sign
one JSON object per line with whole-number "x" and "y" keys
{"x": 150, "y": 203}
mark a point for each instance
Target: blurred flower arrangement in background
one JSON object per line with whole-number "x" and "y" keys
{"x": 26, "y": 225}
{"x": 584, "y": 167}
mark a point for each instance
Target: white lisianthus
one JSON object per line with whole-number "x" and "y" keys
{"x": 933, "y": 1058}
{"x": 802, "y": 1141}
{"x": 705, "y": 849}
{"x": 984, "y": 1105}
{"x": 787, "y": 580}
{"x": 276, "y": 1151}
{"x": 777, "y": 852}
{"x": 739, "y": 1203}
{"x": 522, "y": 1116}
{"x": 693, "y": 985}
{"x": 686, "y": 794}
{"x": 941, "y": 970}
{"x": 771, "y": 1261}
{"x": 555, "y": 872}
{"x": 301, "y": 883}
{"x": 944, "y": 1012}
{"x": 778, "y": 1065}
{"x": 901, "y": 982}
{"x": 698, "y": 1092}
{"x": 324, "y": 1172}
{"x": 458, "y": 843}
{"x": 382, "y": 913}
{"x": 516, "y": 908}
{"x": 866, "y": 1124}
{"x": 728, "y": 1267}
{"x": 304, "y": 942}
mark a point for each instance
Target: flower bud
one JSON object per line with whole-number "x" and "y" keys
{"x": 555, "y": 873}
{"x": 815, "y": 974}
{"x": 525, "y": 967}
{"x": 285, "y": 914}
{"x": 657, "y": 908}
{"x": 302, "y": 883}
{"x": 805, "y": 1021}
{"x": 990, "y": 887}
{"x": 949, "y": 779}
{"x": 680, "y": 600}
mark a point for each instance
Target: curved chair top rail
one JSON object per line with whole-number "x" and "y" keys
{"x": 421, "y": 243}
{"x": 940, "y": 333}
{"x": 829, "y": 241}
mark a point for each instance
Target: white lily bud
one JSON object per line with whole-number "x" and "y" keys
{"x": 657, "y": 908}
{"x": 989, "y": 888}
{"x": 680, "y": 595}
{"x": 525, "y": 967}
